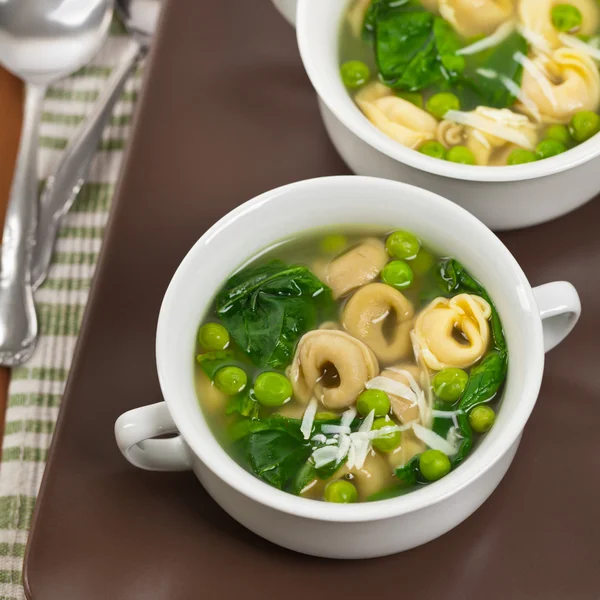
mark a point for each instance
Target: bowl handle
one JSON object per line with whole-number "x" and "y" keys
{"x": 134, "y": 430}
{"x": 288, "y": 9}
{"x": 560, "y": 308}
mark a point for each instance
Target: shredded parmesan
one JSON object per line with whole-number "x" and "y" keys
{"x": 324, "y": 455}
{"x": 319, "y": 439}
{"x": 491, "y": 40}
{"x": 348, "y": 417}
{"x": 433, "y": 440}
{"x": 391, "y": 386}
{"x": 335, "y": 429}
{"x": 367, "y": 423}
{"x": 470, "y": 119}
{"x": 535, "y": 39}
{"x": 446, "y": 414}
{"x": 343, "y": 447}
{"x": 308, "y": 418}
{"x": 572, "y": 42}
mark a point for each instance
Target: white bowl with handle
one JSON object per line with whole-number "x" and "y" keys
{"x": 502, "y": 197}
{"x": 535, "y": 320}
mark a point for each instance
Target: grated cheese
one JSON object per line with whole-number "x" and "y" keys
{"x": 572, "y": 42}
{"x": 367, "y": 423}
{"x": 537, "y": 74}
{"x": 491, "y": 40}
{"x": 479, "y": 122}
{"x": 535, "y": 39}
{"x": 309, "y": 418}
{"x": 348, "y": 417}
{"x": 335, "y": 429}
{"x": 433, "y": 440}
{"x": 391, "y": 386}
{"x": 324, "y": 455}
{"x": 446, "y": 414}
{"x": 319, "y": 439}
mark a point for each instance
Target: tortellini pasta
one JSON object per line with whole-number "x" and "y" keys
{"x": 453, "y": 332}
{"x": 536, "y": 19}
{"x": 491, "y": 129}
{"x": 355, "y": 267}
{"x": 562, "y": 84}
{"x": 399, "y": 119}
{"x": 405, "y": 409}
{"x": 367, "y": 317}
{"x": 474, "y": 17}
{"x": 321, "y": 350}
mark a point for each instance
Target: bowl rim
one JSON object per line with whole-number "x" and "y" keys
{"x": 247, "y": 484}
{"x": 353, "y": 119}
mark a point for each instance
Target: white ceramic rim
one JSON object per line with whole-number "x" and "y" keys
{"x": 356, "y": 122}
{"x": 228, "y": 470}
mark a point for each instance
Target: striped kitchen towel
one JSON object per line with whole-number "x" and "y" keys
{"x": 36, "y": 388}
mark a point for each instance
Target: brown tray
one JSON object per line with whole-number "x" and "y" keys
{"x": 227, "y": 113}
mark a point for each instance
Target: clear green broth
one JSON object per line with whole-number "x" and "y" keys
{"x": 306, "y": 250}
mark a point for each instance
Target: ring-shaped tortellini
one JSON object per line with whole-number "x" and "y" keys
{"x": 357, "y": 266}
{"x": 332, "y": 366}
{"x": 536, "y": 19}
{"x": 367, "y": 317}
{"x": 453, "y": 332}
{"x": 399, "y": 119}
{"x": 562, "y": 84}
{"x": 490, "y": 129}
{"x": 474, "y": 17}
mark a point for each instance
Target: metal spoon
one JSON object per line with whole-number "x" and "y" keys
{"x": 40, "y": 41}
{"x": 139, "y": 17}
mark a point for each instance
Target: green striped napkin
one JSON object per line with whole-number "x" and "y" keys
{"x": 36, "y": 388}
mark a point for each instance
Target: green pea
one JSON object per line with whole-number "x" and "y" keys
{"x": 341, "y": 492}
{"x": 402, "y": 244}
{"x": 449, "y": 384}
{"x": 584, "y": 125}
{"x": 549, "y": 148}
{"x": 334, "y": 244}
{"x": 433, "y": 149}
{"x": 355, "y": 73}
{"x": 439, "y": 104}
{"x": 398, "y": 274}
{"x": 412, "y": 97}
{"x": 481, "y": 418}
{"x": 566, "y": 17}
{"x": 326, "y": 416}
{"x": 461, "y": 155}
{"x": 389, "y": 441}
{"x": 231, "y": 380}
{"x": 560, "y": 133}
{"x": 376, "y": 400}
{"x": 434, "y": 464}
{"x": 422, "y": 262}
{"x": 213, "y": 336}
{"x": 272, "y": 389}
{"x": 520, "y": 156}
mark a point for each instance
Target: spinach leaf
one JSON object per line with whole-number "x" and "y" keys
{"x": 409, "y": 474}
{"x": 416, "y": 49}
{"x": 276, "y": 456}
{"x": 487, "y": 377}
{"x": 211, "y": 362}
{"x": 303, "y": 477}
{"x": 244, "y": 404}
{"x": 484, "y": 80}
{"x": 466, "y": 441}
{"x": 267, "y": 309}
{"x": 381, "y": 8}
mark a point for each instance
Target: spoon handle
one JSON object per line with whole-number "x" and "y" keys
{"x": 62, "y": 187}
{"x": 18, "y": 323}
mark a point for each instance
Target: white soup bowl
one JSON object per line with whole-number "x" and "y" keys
{"x": 534, "y": 321}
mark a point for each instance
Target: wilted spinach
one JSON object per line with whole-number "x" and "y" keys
{"x": 416, "y": 49}
{"x": 267, "y": 309}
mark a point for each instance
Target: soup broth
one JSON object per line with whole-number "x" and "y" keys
{"x": 347, "y": 365}
{"x": 480, "y": 82}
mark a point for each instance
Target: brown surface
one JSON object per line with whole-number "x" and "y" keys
{"x": 11, "y": 110}
{"x": 211, "y": 134}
